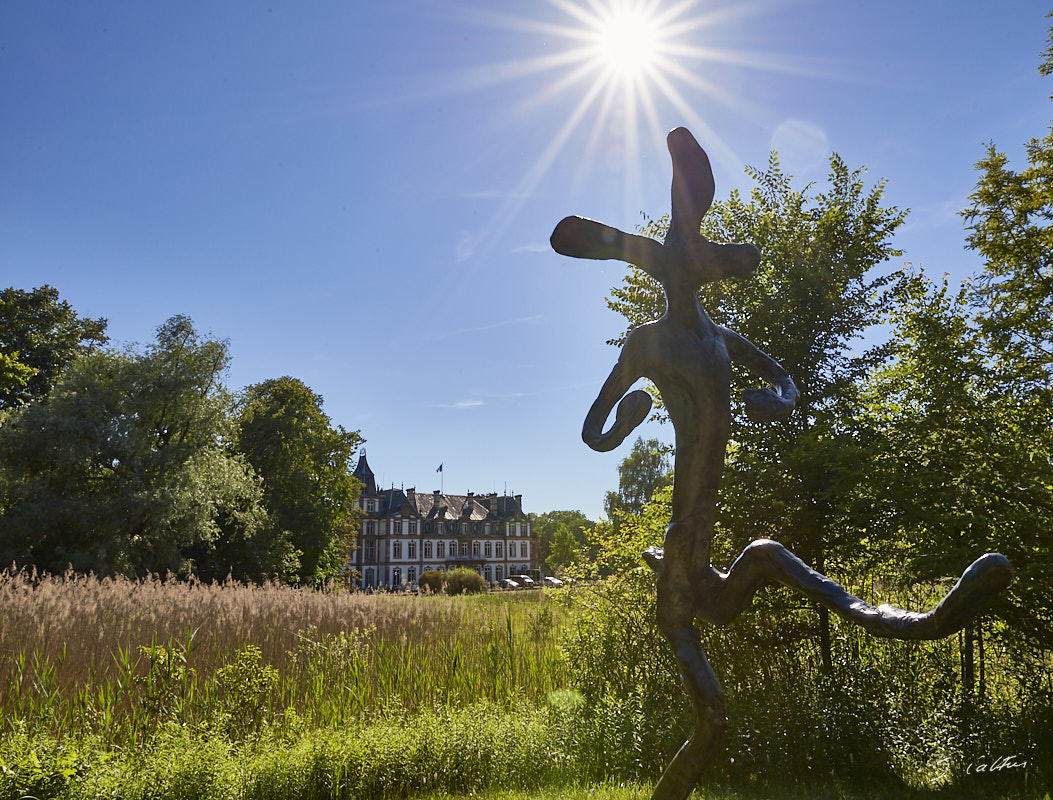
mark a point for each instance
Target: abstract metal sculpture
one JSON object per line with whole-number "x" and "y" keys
{"x": 688, "y": 358}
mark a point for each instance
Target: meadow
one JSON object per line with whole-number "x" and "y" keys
{"x": 172, "y": 689}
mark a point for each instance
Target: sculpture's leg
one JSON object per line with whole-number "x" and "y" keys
{"x": 707, "y": 700}
{"x": 765, "y": 561}
{"x": 707, "y": 737}
{"x": 676, "y": 613}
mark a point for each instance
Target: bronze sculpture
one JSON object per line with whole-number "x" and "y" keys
{"x": 688, "y": 358}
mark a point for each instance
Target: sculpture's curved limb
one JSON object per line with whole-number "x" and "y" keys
{"x": 765, "y": 561}
{"x": 632, "y": 410}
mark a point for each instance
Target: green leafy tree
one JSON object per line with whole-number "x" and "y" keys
{"x": 40, "y": 336}
{"x": 550, "y": 525}
{"x": 647, "y": 467}
{"x": 813, "y": 296}
{"x": 966, "y": 404}
{"x": 304, "y": 462}
{"x": 563, "y": 549}
{"x": 127, "y": 466}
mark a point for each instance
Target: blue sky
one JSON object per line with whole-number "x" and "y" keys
{"x": 360, "y": 194}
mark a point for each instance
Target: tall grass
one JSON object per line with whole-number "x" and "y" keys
{"x": 119, "y": 657}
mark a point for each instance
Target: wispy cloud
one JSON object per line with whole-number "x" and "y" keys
{"x": 460, "y": 404}
{"x": 533, "y": 247}
{"x": 466, "y": 247}
{"x": 502, "y": 324}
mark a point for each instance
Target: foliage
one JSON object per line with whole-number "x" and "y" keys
{"x": 561, "y": 535}
{"x": 432, "y": 580}
{"x": 462, "y": 580}
{"x": 127, "y": 465}
{"x": 40, "y": 336}
{"x": 647, "y": 467}
{"x": 967, "y": 461}
{"x": 304, "y": 461}
{"x": 886, "y": 714}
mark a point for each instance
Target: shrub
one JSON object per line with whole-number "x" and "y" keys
{"x": 464, "y": 581}
{"x": 432, "y": 580}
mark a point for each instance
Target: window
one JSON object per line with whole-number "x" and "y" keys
{"x": 396, "y": 526}
{"x": 488, "y": 549}
{"x": 464, "y": 528}
{"x": 396, "y": 548}
{"x": 413, "y": 526}
{"x": 371, "y": 505}
{"x": 500, "y": 548}
{"x": 396, "y": 577}
{"x": 524, "y": 549}
{"x": 371, "y": 528}
{"x": 487, "y": 528}
{"x": 453, "y": 548}
{"x": 475, "y": 549}
{"x": 427, "y": 549}
{"x": 371, "y": 550}
{"x": 370, "y": 579}
{"x": 440, "y": 549}
{"x": 499, "y": 572}
{"x": 464, "y": 548}
{"x": 411, "y": 547}
{"x": 487, "y": 573}
{"x": 411, "y": 574}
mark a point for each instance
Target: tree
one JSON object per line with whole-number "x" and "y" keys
{"x": 1008, "y": 223}
{"x": 304, "y": 462}
{"x": 548, "y": 526}
{"x": 563, "y": 549}
{"x": 810, "y": 300}
{"x": 646, "y": 468}
{"x": 43, "y": 335}
{"x": 967, "y": 462}
{"x": 128, "y": 465}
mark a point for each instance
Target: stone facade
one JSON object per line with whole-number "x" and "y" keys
{"x": 404, "y": 533}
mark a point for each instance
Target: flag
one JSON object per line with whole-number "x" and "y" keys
{"x": 439, "y": 469}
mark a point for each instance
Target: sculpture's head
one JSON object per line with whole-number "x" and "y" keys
{"x": 687, "y": 260}
{"x": 691, "y": 259}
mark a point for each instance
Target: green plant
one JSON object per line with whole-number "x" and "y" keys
{"x": 462, "y": 580}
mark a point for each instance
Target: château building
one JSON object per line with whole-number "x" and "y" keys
{"x": 404, "y": 533}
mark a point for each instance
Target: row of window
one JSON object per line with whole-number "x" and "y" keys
{"x": 369, "y": 574}
{"x": 486, "y": 550}
{"x": 449, "y": 527}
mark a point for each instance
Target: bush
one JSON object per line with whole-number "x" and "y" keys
{"x": 464, "y": 581}
{"x": 432, "y": 580}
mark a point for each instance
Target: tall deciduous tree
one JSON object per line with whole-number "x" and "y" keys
{"x": 647, "y": 467}
{"x": 43, "y": 334}
{"x": 808, "y": 303}
{"x": 304, "y": 462}
{"x": 128, "y": 464}
{"x": 561, "y": 536}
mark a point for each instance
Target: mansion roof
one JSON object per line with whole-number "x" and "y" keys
{"x": 437, "y": 505}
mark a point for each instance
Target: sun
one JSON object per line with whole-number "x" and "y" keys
{"x": 628, "y": 42}
{"x": 632, "y": 70}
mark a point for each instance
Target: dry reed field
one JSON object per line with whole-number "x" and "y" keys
{"x": 117, "y": 656}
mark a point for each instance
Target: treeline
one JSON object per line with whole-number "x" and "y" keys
{"x": 139, "y": 460}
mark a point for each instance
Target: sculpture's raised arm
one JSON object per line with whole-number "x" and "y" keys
{"x": 763, "y": 405}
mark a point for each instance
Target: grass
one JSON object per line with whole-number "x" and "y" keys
{"x": 119, "y": 657}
